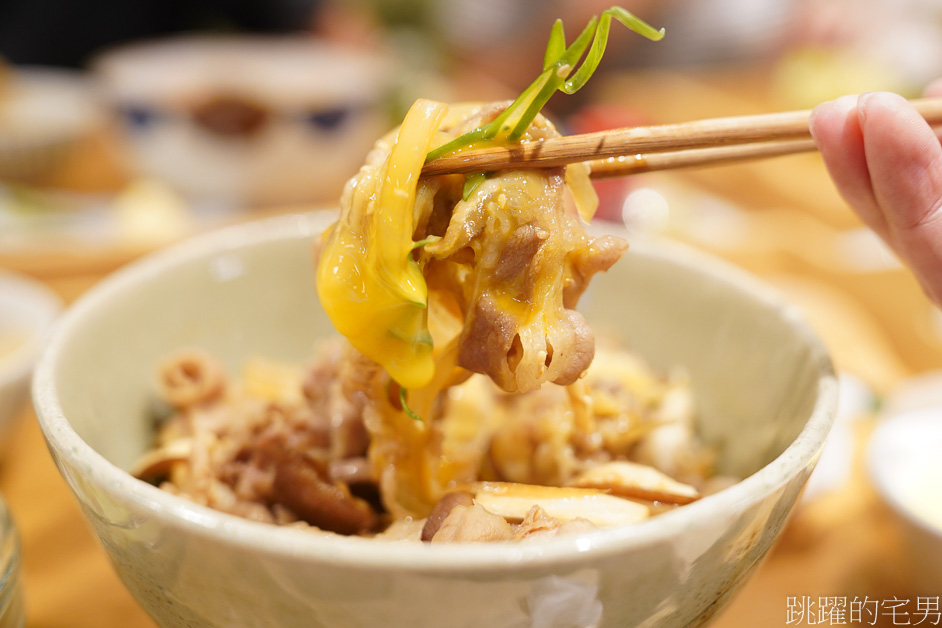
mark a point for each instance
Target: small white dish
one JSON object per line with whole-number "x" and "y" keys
{"x": 906, "y": 469}
{"x": 27, "y": 312}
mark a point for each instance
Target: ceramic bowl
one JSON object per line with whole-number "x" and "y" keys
{"x": 246, "y": 120}
{"x": 27, "y": 312}
{"x": 767, "y": 398}
{"x": 905, "y": 468}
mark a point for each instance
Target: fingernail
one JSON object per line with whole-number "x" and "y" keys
{"x": 862, "y": 102}
{"x": 886, "y": 100}
{"x": 840, "y": 107}
{"x": 846, "y": 103}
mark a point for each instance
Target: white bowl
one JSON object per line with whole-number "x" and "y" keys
{"x": 905, "y": 467}
{"x": 27, "y": 312}
{"x": 767, "y": 399}
{"x": 324, "y": 107}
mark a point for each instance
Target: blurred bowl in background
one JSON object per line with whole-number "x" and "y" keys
{"x": 44, "y": 114}
{"x": 906, "y": 469}
{"x": 249, "y": 120}
{"x": 922, "y": 391}
{"x": 27, "y": 312}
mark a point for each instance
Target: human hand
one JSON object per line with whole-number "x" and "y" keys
{"x": 886, "y": 161}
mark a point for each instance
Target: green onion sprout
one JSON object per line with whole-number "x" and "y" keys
{"x": 559, "y": 74}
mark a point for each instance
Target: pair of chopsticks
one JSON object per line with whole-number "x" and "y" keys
{"x": 633, "y": 150}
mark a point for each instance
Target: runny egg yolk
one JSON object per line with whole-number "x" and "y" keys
{"x": 367, "y": 280}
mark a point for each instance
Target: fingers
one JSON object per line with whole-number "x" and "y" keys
{"x": 934, "y": 90}
{"x": 905, "y": 163}
{"x": 836, "y": 130}
{"x": 904, "y": 160}
{"x": 887, "y": 163}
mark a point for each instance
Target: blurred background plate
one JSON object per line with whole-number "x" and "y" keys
{"x": 44, "y": 114}
{"x": 904, "y": 464}
{"x": 28, "y": 310}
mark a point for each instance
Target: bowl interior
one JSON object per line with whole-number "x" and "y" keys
{"x": 249, "y": 291}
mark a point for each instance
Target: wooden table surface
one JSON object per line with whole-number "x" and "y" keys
{"x": 843, "y": 543}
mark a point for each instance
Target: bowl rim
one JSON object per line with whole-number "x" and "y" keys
{"x": 295, "y": 544}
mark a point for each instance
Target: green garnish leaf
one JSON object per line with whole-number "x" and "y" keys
{"x": 424, "y": 338}
{"x": 559, "y": 64}
{"x": 421, "y": 337}
{"x": 556, "y": 45}
{"x": 405, "y": 406}
{"x": 592, "y": 59}
{"x": 471, "y": 183}
{"x": 429, "y": 240}
{"x": 637, "y": 25}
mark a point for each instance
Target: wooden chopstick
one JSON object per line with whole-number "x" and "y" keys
{"x": 645, "y": 148}
{"x": 612, "y": 167}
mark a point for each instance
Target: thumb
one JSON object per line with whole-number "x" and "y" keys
{"x": 904, "y": 160}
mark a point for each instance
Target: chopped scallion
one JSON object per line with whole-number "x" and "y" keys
{"x": 405, "y": 407}
{"x": 559, "y": 64}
